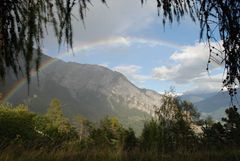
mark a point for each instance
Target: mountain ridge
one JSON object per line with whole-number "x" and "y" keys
{"x": 90, "y": 90}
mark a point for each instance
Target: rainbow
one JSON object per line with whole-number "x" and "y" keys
{"x": 19, "y": 83}
{"x": 84, "y": 46}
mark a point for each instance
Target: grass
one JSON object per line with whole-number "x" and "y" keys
{"x": 73, "y": 153}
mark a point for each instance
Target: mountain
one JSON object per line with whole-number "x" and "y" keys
{"x": 89, "y": 90}
{"x": 214, "y": 103}
{"x": 95, "y": 91}
{"x": 196, "y": 97}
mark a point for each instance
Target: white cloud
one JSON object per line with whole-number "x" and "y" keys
{"x": 141, "y": 78}
{"x": 207, "y": 84}
{"x": 190, "y": 63}
{"x": 165, "y": 73}
{"x": 132, "y": 72}
{"x": 127, "y": 69}
{"x": 104, "y": 65}
{"x": 190, "y": 67}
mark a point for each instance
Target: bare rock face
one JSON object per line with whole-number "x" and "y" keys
{"x": 104, "y": 82}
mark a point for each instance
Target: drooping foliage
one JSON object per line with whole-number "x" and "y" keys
{"x": 221, "y": 18}
{"x": 25, "y": 23}
{"x": 175, "y": 9}
{"x": 219, "y": 23}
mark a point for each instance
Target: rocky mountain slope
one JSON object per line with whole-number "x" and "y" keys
{"x": 89, "y": 90}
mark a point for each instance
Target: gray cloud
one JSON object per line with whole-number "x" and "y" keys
{"x": 104, "y": 22}
{"x": 121, "y": 15}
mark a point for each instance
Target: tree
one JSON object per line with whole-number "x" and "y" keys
{"x": 83, "y": 126}
{"x": 189, "y": 111}
{"x": 58, "y": 127}
{"x": 232, "y": 125}
{"x": 55, "y": 115}
{"x": 16, "y": 124}
{"x": 226, "y": 133}
{"x": 172, "y": 128}
{"x": 214, "y": 136}
{"x": 128, "y": 139}
{"x": 151, "y": 136}
{"x": 23, "y": 24}
{"x": 108, "y": 133}
{"x": 20, "y": 126}
{"x": 172, "y": 108}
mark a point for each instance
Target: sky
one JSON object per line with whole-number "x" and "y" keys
{"x": 130, "y": 38}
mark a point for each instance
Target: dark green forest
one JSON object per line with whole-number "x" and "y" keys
{"x": 174, "y": 133}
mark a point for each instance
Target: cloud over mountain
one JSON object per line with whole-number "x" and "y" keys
{"x": 190, "y": 67}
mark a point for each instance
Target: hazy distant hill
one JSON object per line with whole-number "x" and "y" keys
{"x": 196, "y": 97}
{"x": 213, "y": 103}
{"x": 90, "y": 90}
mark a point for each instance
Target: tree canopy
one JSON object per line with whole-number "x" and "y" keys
{"x": 24, "y": 23}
